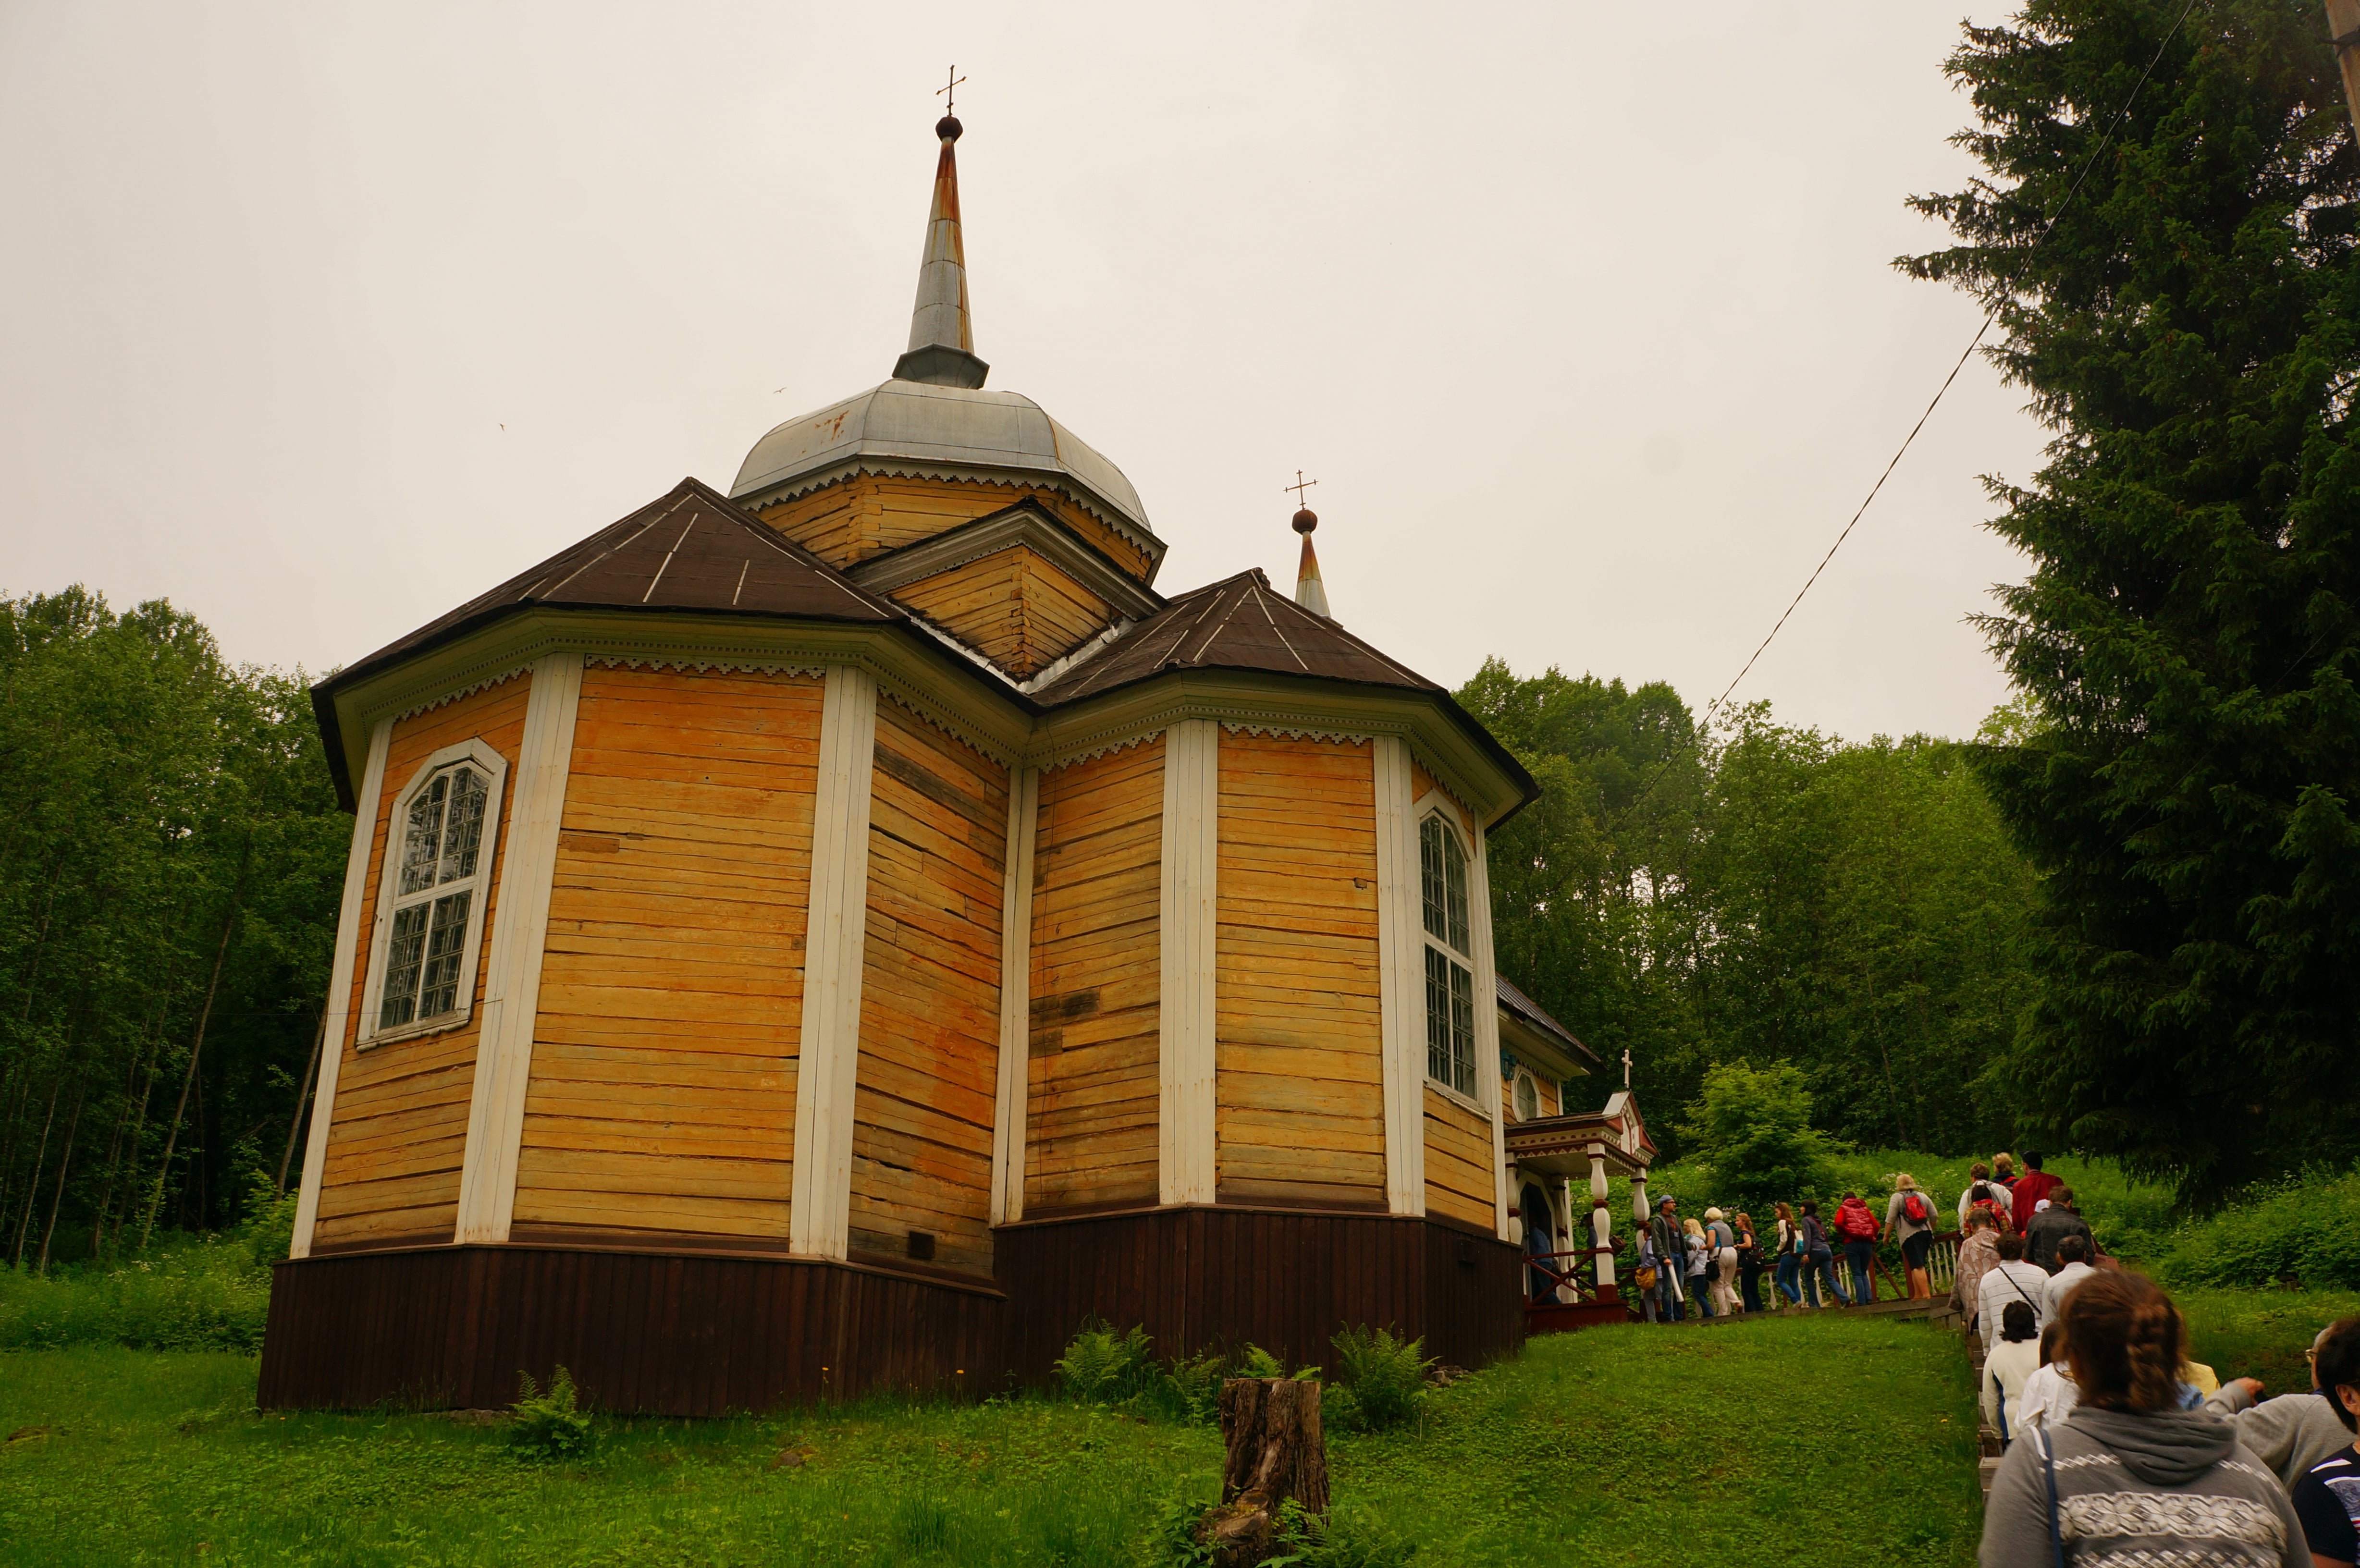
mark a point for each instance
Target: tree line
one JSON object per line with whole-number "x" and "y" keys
{"x": 1760, "y": 895}
{"x": 170, "y": 860}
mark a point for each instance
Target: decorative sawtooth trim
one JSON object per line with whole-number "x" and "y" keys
{"x": 956, "y": 472}
{"x": 934, "y": 719}
{"x": 1106, "y": 750}
{"x": 694, "y": 666}
{"x": 485, "y": 684}
{"x": 1291, "y": 731}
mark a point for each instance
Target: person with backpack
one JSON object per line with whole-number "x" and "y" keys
{"x": 1984, "y": 1192}
{"x": 1811, "y": 1246}
{"x": 1722, "y": 1238}
{"x": 2009, "y": 1280}
{"x": 1910, "y": 1214}
{"x": 1748, "y": 1264}
{"x": 1787, "y": 1270}
{"x": 2133, "y": 1477}
{"x": 1857, "y": 1228}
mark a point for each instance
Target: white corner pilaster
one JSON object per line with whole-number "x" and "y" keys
{"x": 519, "y": 936}
{"x": 829, "y": 1055}
{"x": 1008, "y": 1144}
{"x": 1487, "y": 1022}
{"x": 1190, "y": 909}
{"x": 338, "y": 1024}
{"x": 1401, "y": 980}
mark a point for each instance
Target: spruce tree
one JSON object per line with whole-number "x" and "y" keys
{"x": 2185, "y": 326}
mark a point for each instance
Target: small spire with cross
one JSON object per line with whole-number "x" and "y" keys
{"x": 1309, "y": 592}
{"x": 948, "y": 92}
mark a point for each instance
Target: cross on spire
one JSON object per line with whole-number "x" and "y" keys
{"x": 1299, "y": 487}
{"x": 947, "y": 94}
{"x": 1626, "y": 1067}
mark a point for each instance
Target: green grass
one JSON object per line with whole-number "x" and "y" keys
{"x": 1574, "y": 1454}
{"x": 2260, "y": 1334}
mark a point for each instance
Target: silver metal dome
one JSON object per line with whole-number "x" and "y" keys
{"x": 913, "y": 427}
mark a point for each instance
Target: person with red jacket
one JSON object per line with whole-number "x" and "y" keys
{"x": 1857, "y": 1228}
{"x": 2029, "y": 1190}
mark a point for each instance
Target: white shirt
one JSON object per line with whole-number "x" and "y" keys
{"x": 2006, "y": 1371}
{"x": 2060, "y": 1285}
{"x": 2048, "y": 1397}
{"x": 2004, "y": 1282}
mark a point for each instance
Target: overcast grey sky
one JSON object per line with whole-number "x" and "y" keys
{"x": 320, "y": 319}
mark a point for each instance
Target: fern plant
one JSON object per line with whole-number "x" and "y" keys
{"x": 1103, "y": 1364}
{"x": 1387, "y": 1377}
{"x": 550, "y": 1425}
{"x": 1260, "y": 1363}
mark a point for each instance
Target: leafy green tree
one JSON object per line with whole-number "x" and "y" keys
{"x": 1753, "y": 1125}
{"x": 2190, "y": 331}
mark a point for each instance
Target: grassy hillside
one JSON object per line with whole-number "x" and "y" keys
{"x": 1570, "y": 1454}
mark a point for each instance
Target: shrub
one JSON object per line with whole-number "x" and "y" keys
{"x": 548, "y": 1426}
{"x": 1753, "y": 1128}
{"x": 1386, "y": 1377}
{"x": 1191, "y": 1388}
{"x": 2298, "y": 1229}
{"x": 1103, "y": 1365}
{"x": 200, "y": 1294}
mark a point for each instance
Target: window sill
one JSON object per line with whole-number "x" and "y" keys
{"x": 441, "y": 1024}
{"x": 1469, "y": 1101}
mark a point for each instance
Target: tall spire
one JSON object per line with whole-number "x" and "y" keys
{"x": 942, "y": 338}
{"x": 1308, "y": 593}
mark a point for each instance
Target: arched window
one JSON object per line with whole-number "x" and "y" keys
{"x": 1449, "y": 957}
{"x": 430, "y": 903}
{"x": 1528, "y": 1098}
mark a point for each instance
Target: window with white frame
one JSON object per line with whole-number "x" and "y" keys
{"x": 1528, "y": 1098}
{"x": 432, "y": 900}
{"x": 1449, "y": 957}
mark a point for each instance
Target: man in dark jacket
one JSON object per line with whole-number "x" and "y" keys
{"x": 1671, "y": 1257}
{"x": 2053, "y": 1225}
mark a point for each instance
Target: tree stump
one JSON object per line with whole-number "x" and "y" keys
{"x": 1277, "y": 1451}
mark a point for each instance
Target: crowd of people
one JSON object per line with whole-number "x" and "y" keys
{"x": 2119, "y": 1448}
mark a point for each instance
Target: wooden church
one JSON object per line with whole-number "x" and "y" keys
{"x": 850, "y": 931}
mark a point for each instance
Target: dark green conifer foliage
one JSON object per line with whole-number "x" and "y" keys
{"x": 2188, "y": 331}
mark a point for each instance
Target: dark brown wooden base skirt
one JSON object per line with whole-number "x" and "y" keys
{"x": 698, "y": 1333}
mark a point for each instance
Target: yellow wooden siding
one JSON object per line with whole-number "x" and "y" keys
{"x": 1459, "y": 1180}
{"x": 867, "y": 514}
{"x": 662, "y": 1097}
{"x": 929, "y": 998}
{"x": 1300, "y": 1089}
{"x": 1013, "y": 607}
{"x": 1090, "y": 1125}
{"x": 399, "y": 1132}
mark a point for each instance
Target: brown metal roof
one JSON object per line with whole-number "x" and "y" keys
{"x": 1534, "y": 1018}
{"x": 1239, "y": 623}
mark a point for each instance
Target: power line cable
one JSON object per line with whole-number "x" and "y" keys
{"x": 2048, "y": 226}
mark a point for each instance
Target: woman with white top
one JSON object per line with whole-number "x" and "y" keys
{"x": 1789, "y": 1268}
{"x": 2013, "y": 1360}
{"x": 2050, "y": 1394}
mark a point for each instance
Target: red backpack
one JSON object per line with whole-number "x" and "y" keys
{"x": 1856, "y": 1222}
{"x": 1913, "y": 1208}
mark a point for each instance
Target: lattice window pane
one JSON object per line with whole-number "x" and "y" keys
{"x": 1430, "y": 836}
{"x": 1454, "y": 874}
{"x": 1438, "y": 1017}
{"x": 422, "y": 845}
{"x": 1462, "y": 1027}
{"x": 403, "y": 959}
{"x": 1528, "y": 1099}
{"x": 462, "y": 832}
{"x": 438, "y": 990}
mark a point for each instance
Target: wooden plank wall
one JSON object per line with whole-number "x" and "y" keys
{"x": 662, "y": 1097}
{"x": 1299, "y": 1093}
{"x": 1457, "y": 1161}
{"x": 866, "y": 515}
{"x": 1090, "y": 1125}
{"x": 929, "y": 998}
{"x": 1011, "y": 606}
{"x": 640, "y": 1331}
{"x": 400, "y": 1129}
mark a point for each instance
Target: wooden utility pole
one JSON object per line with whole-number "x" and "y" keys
{"x": 2343, "y": 27}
